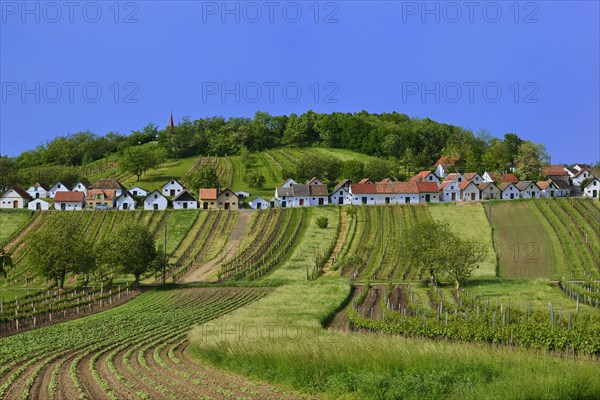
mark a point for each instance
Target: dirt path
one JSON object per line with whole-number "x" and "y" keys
{"x": 31, "y": 224}
{"x": 204, "y": 272}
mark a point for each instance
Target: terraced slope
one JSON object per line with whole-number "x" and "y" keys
{"x": 137, "y": 350}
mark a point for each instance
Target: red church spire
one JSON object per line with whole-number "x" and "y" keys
{"x": 171, "y": 124}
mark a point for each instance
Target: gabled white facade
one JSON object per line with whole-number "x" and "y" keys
{"x": 126, "y": 202}
{"x": 470, "y": 193}
{"x": 532, "y": 191}
{"x": 37, "y": 192}
{"x": 550, "y": 191}
{"x": 190, "y": 203}
{"x": 592, "y": 189}
{"x": 138, "y": 191}
{"x": 38, "y": 205}
{"x": 57, "y": 187}
{"x": 578, "y": 180}
{"x": 511, "y": 192}
{"x": 155, "y": 201}
{"x": 491, "y": 192}
{"x": 259, "y": 204}
{"x": 12, "y": 199}
{"x": 450, "y": 192}
{"x": 172, "y": 188}
{"x": 341, "y": 196}
{"x": 79, "y": 187}
{"x": 289, "y": 183}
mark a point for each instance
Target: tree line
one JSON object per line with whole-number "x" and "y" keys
{"x": 414, "y": 143}
{"x": 58, "y": 253}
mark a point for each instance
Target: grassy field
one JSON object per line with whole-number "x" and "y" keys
{"x": 280, "y": 339}
{"x": 469, "y": 221}
{"x": 12, "y": 221}
{"x": 522, "y": 242}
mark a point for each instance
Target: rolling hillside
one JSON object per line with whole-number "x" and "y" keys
{"x": 231, "y": 169}
{"x": 547, "y": 238}
{"x": 531, "y": 239}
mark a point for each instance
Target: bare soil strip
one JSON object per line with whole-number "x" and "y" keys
{"x": 202, "y": 272}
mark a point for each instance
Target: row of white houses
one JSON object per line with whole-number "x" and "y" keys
{"x": 425, "y": 187}
{"x": 107, "y": 194}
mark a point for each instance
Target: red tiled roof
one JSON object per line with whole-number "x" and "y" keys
{"x": 421, "y": 176}
{"x": 363, "y": 188}
{"x": 544, "y": 184}
{"x": 428, "y": 187}
{"x": 452, "y": 176}
{"x": 554, "y": 170}
{"x": 503, "y": 186}
{"x": 510, "y": 178}
{"x": 208, "y": 194}
{"x": 69, "y": 197}
{"x": 384, "y": 188}
{"x": 108, "y": 194}
{"x": 484, "y": 185}
{"x": 464, "y": 184}
{"x": 407, "y": 187}
{"x": 365, "y": 181}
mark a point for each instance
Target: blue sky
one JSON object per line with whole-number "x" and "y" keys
{"x": 532, "y": 68}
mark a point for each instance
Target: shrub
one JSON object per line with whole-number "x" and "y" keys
{"x": 323, "y": 222}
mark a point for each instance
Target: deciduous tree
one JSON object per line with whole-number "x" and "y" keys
{"x": 139, "y": 159}
{"x": 131, "y": 250}
{"x": 531, "y": 159}
{"x": 205, "y": 177}
{"x": 461, "y": 258}
{"x": 58, "y": 252}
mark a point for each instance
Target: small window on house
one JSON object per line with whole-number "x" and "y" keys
{"x": 172, "y": 182}
{"x": 156, "y": 196}
{"x": 226, "y": 194}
